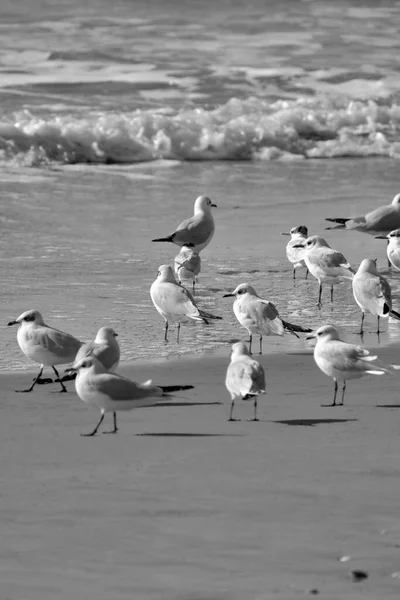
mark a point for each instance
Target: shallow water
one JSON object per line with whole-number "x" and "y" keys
{"x": 76, "y": 245}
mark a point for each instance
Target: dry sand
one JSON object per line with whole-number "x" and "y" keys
{"x": 182, "y": 504}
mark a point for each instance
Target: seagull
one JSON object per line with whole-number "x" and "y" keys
{"x": 380, "y": 221}
{"x": 372, "y": 292}
{"x": 294, "y": 254}
{"x": 324, "y": 263}
{"x": 245, "y": 377}
{"x": 104, "y": 347}
{"x": 197, "y": 230}
{"x": 187, "y": 264}
{"x": 393, "y": 247}
{"x": 111, "y": 392}
{"x": 258, "y": 315}
{"x": 174, "y": 302}
{"x": 341, "y": 360}
{"x": 44, "y": 344}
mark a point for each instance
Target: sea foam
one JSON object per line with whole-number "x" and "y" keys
{"x": 252, "y": 129}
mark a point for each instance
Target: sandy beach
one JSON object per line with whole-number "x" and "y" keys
{"x": 183, "y": 504}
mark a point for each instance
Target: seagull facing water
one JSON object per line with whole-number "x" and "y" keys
{"x": 104, "y": 347}
{"x": 245, "y": 377}
{"x": 187, "y": 264}
{"x": 44, "y": 344}
{"x": 197, "y": 230}
{"x": 372, "y": 292}
{"x": 111, "y": 392}
{"x": 258, "y": 315}
{"x": 324, "y": 263}
{"x": 295, "y": 254}
{"x": 341, "y": 360}
{"x": 174, "y": 302}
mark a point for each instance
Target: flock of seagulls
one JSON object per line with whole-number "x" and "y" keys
{"x": 94, "y": 363}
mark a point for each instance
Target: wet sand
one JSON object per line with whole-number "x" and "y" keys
{"x": 182, "y": 504}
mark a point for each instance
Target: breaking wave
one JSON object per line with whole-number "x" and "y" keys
{"x": 252, "y": 129}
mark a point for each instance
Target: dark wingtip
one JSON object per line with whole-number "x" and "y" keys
{"x": 175, "y": 388}
{"x": 166, "y": 239}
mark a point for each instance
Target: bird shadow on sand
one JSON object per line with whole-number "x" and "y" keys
{"x": 312, "y": 422}
{"x": 188, "y": 435}
{"x": 188, "y": 403}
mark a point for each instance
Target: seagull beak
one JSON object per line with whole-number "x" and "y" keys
{"x": 284, "y": 233}
{"x": 228, "y": 295}
{"x": 311, "y": 336}
{"x": 115, "y": 334}
{"x": 298, "y": 246}
{"x": 12, "y": 323}
{"x": 214, "y": 205}
{"x": 380, "y": 237}
{"x": 70, "y": 370}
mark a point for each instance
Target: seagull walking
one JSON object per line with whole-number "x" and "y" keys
{"x": 44, "y": 344}
{"x": 258, "y": 315}
{"x": 294, "y": 254}
{"x": 198, "y": 229}
{"x": 112, "y": 393}
{"x": 342, "y": 361}
{"x": 325, "y": 264}
{"x": 245, "y": 377}
{"x": 174, "y": 302}
{"x": 372, "y": 292}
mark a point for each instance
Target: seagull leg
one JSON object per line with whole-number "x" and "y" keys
{"x": 343, "y": 391}
{"x": 260, "y": 344}
{"x": 63, "y": 388}
{"x": 331, "y": 293}
{"x": 250, "y": 340}
{"x": 34, "y": 381}
{"x": 362, "y": 323}
{"x": 231, "y": 413}
{"x": 334, "y": 395}
{"x": 319, "y": 296}
{"x": 306, "y": 274}
{"x": 166, "y": 331}
{"x": 115, "y": 430}
{"x": 294, "y": 273}
{"x": 378, "y": 331}
{"x": 96, "y": 428}
{"x": 255, "y": 418}
{"x": 177, "y": 335}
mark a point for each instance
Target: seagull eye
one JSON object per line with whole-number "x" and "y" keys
{"x": 30, "y": 318}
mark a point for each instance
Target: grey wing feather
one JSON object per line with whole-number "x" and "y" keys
{"x": 55, "y": 341}
{"x": 120, "y": 388}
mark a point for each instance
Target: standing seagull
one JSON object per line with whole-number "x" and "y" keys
{"x": 295, "y": 254}
{"x": 245, "y": 377}
{"x": 198, "y": 230}
{"x": 380, "y": 221}
{"x": 104, "y": 347}
{"x": 372, "y": 292}
{"x": 174, "y": 302}
{"x": 341, "y": 360}
{"x": 111, "y": 392}
{"x": 44, "y": 344}
{"x": 325, "y": 264}
{"x": 393, "y": 247}
{"x": 258, "y": 315}
{"x": 187, "y": 264}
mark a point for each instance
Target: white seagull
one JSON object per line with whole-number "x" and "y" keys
{"x": 324, "y": 263}
{"x": 245, "y": 377}
{"x": 341, "y": 360}
{"x": 104, "y": 347}
{"x": 372, "y": 292}
{"x": 295, "y": 254}
{"x": 393, "y": 247}
{"x": 380, "y": 221}
{"x": 111, "y": 392}
{"x": 187, "y": 264}
{"x": 258, "y": 315}
{"x": 44, "y": 344}
{"x": 174, "y": 302}
{"x": 197, "y": 230}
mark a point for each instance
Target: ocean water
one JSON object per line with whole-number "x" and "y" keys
{"x": 115, "y": 116}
